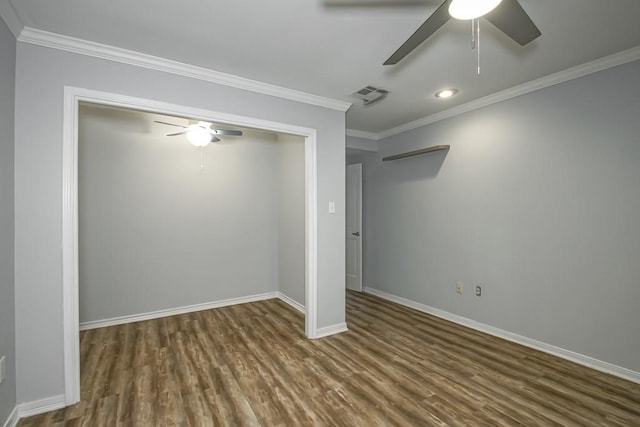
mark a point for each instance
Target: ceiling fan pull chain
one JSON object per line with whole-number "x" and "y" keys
{"x": 478, "y": 43}
{"x": 473, "y": 34}
{"x": 201, "y": 158}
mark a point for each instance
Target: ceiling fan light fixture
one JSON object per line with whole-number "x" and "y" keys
{"x": 471, "y": 9}
{"x": 198, "y": 136}
{"x": 445, "y": 93}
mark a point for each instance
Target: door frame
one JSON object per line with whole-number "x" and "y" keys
{"x": 73, "y": 96}
{"x": 360, "y": 258}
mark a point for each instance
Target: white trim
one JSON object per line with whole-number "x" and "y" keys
{"x": 541, "y": 83}
{"x": 95, "y": 324}
{"x": 57, "y": 402}
{"x": 98, "y": 50}
{"x": 13, "y": 419}
{"x": 331, "y": 330}
{"x": 41, "y": 406}
{"x": 293, "y": 303}
{"x": 125, "y": 56}
{"x": 121, "y": 320}
{"x": 72, "y": 97}
{"x": 84, "y": 47}
{"x": 601, "y": 64}
{"x": 11, "y": 17}
{"x": 362, "y": 134}
{"x": 311, "y": 231}
{"x": 362, "y": 144}
{"x": 578, "y": 358}
{"x": 70, "y": 299}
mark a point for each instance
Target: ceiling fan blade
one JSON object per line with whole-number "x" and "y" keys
{"x": 227, "y": 132}
{"x": 430, "y": 26}
{"x": 511, "y": 19}
{"x": 177, "y": 133}
{"x": 215, "y": 139}
{"x": 170, "y": 124}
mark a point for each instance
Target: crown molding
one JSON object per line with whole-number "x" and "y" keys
{"x": 601, "y": 64}
{"x": 11, "y": 18}
{"x": 84, "y": 47}
{"x": 111, "y": 53}
{"x": 362, "y": 134}
{"x": 362, "y": 144}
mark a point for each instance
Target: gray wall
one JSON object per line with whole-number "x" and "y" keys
{"x": 7, "y": 328}
{"x": 291, "y": 238}
{"x": 157, "y": 232}
{"x": 538, "y": 201}
{"x": 41, "y": 76}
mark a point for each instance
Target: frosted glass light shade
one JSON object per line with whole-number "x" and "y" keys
{"x": 198, "y": 136}
{"x": 446, "y": 93}
{"x": 471, "y": 9}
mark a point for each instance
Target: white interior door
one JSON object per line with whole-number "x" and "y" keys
{"x": 354, "y": 227}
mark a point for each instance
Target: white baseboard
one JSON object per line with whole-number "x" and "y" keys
{"x": 13, "y": 419}
{"x": 331, "y": 330}
{"x": 293, "y": 303}
{"x": 41, "y": 406}
{"x": 53, "y": 403}
{"x": 578, "y": 358}
{"x": 175, "y": 311}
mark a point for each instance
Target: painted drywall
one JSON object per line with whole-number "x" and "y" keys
{"x": 41, "y": 76}
{"x": 291, "y": 237}
{"x": 157, "y": 232}
{"x": 7, "y": 326}
{"x": 359, "y": 156}
{"x": 537, "y": 201}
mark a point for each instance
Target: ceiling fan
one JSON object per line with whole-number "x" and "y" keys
{"x": 200, "y": 134}
{"x": 507, "y": 15}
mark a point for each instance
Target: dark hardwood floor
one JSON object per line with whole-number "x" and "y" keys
{"x": 250, "y": 365}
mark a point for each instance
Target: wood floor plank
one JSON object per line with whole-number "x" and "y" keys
{"x": 251, "y": 365}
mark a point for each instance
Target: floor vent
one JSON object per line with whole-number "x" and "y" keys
{"x": 370, "y": 94}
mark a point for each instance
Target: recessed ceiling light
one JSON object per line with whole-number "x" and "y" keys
{"x": 445, "y": 93}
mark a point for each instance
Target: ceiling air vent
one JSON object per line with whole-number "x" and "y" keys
{"x": 370, "y": 94}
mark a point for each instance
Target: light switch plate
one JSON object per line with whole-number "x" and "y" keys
{"x": 332, "y": 207}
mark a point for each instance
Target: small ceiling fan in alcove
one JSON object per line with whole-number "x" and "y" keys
{"x": 200, "y": 134}
{"x": 506, "y": 15}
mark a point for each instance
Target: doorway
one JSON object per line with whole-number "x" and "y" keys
{"x": 72, "y": 99}
{"x": 354, "y": 227}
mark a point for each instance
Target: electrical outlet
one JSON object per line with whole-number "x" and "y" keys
{"x": 478, "y": 291}
{"x": 459, "y": 287}
{"x": 3, "y": 368}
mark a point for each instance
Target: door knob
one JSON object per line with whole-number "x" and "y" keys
{"x": 357, "y": 233}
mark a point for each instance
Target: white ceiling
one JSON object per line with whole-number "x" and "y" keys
{"x": 329, "y": 48}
